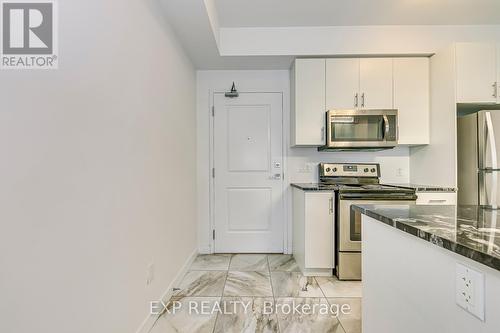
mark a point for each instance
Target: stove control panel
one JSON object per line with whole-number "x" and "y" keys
{"x": 349, "y": 170}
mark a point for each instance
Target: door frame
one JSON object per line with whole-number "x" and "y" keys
{"x": 284, "y": 161}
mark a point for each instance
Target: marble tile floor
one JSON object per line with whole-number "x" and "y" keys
{"x": 258, "y": 293}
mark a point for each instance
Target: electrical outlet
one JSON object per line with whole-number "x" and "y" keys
{"x": 150, "y": 274}
{"x": 470, "y": 290}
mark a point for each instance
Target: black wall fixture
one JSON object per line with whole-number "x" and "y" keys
{"x": 233, "y": 93}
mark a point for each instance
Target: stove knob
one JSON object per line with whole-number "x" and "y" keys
{"x": 366, "y": 170}
{"x": 373, "y": 170}
{"x": 334, "y": 169}
{"x": 328, "y": 169}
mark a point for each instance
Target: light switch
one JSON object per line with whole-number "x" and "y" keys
{"x": 470, "y": 290}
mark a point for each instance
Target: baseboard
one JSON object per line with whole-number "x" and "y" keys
{"x": 148, "y": 323}
{"x": 204, "y": 250}
{"x": 317, "y": 272}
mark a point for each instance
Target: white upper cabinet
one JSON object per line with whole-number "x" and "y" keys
{"x": 308, "y": 102}
{"x": 476, "y": 71}
{"x": 411, "y": 98}
{"x": 498, "y": 74}
{"x": 318, "y": 85}
{"x": 359, "y": 83}
{"x": 342, "y": 84}
{"x": 375, "y": 83}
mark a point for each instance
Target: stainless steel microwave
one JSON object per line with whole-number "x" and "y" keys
{"x": 361, "y": 129}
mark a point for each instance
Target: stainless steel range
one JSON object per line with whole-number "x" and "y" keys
{"x": 356, "y": 184}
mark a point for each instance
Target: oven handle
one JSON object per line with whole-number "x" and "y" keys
{"x": 387, "y": 127}
{"x": 378, "y": 196}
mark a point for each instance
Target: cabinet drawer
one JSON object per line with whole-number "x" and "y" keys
{"x": 433, "y": 198}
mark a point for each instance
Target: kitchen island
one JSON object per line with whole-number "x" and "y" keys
{"x": 412, "y": 256}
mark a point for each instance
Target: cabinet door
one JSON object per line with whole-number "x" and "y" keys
{"x": 376, "y": 83}
{"x": 476, "y": 72}
{"x": 498, "y": 74}
{"x": 411, "y": 98}
{"x": 342, "y": 84}
{"x": 319, "y": 230}
{"x": 308, "y": 105}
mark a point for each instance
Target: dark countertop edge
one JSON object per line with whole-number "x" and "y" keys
{"x": 425, "y": 188}
{"x": 444, "y": 243}
{"x": 303, "y": 187}
{"x": 417, "y": 188}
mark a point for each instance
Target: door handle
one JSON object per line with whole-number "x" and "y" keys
{"x": 437, "y": 200}
{"x": 491, "y": 137}
{"x": 495, "y": 93}
{"x": 276, "y": 176}
{"x": 494, "y": 161}
{"x": 387, "y": 126}
{"x": 363, "y": 100}
{"x": 356, "y": 100}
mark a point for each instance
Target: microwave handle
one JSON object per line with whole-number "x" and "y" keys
{"x": 387, "y": 126}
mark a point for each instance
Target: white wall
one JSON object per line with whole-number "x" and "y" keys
{"x": 300, "y": 163}
{"x": 436, "y": 163}
{"x": 96, "y": 173}
{"x": 349, "y": 40}
{"x": 409, "y": 285}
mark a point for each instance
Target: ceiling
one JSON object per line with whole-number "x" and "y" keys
{"x": 191, "y": 24}
{"x": 268, "y": 34}
{"x": 288, "y": 13}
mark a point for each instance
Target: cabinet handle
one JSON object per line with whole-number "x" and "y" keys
{"x": 437, "y": 200}
{"x": 495, "y": 89}
{"x": 330, "y": 203}
{"x": 363, "y": 100}
{"x": 323, "y": 133}
{"x": 356, "y": 100}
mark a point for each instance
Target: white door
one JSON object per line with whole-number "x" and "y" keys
{"x": 248, "y": 178}
{"x": 342, "y": 84}
{"x": 375, "y": 83}
{"x": 476, "y": 72}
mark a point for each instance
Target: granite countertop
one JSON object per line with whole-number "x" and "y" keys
{"x": 469, "y": 231}
{"x": 315, "y": 186}
{"x": 425, "y": 188}
{"x": 416, "y": 187}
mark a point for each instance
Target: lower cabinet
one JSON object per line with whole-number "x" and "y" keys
{"x": 313, "y": 231}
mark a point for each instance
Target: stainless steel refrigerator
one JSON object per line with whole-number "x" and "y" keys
{"x": 478, "y": 159}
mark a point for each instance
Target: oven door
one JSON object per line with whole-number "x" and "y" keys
{"x": 361, "y": 128}
{"x": 349, "y": 227}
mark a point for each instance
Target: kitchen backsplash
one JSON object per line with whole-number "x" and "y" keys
{"x": 303, "y": 163}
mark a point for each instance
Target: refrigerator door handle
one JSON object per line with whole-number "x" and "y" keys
{"x": 494, "y": 162}
{"x": 490, "y": 133}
